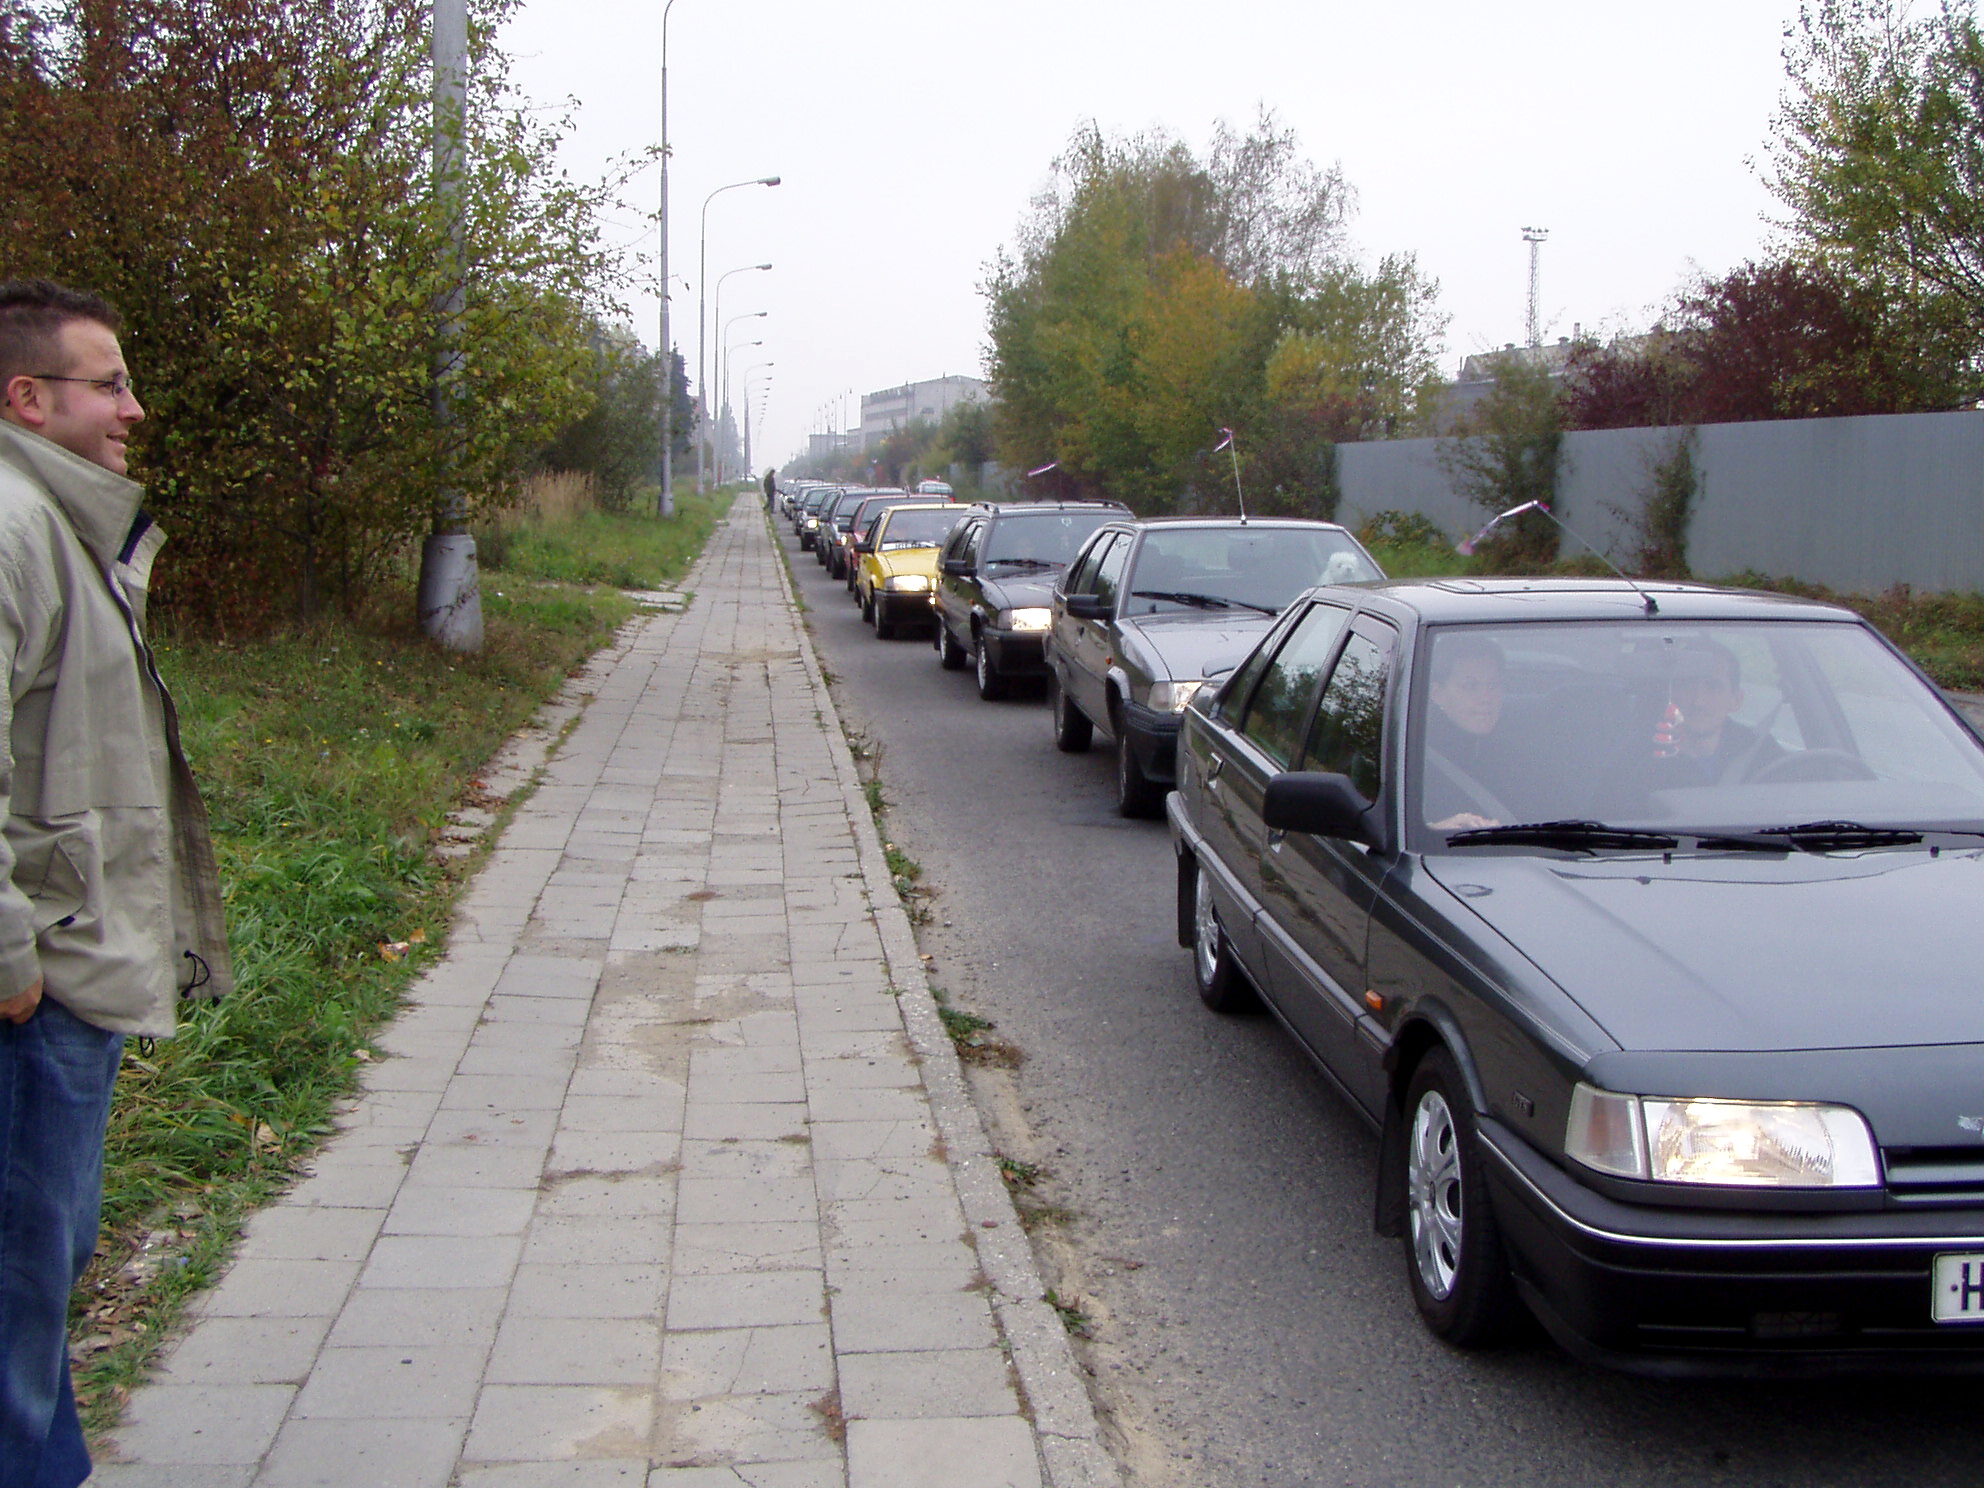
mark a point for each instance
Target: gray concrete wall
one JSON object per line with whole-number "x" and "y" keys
{"x": 1860, "y": 504}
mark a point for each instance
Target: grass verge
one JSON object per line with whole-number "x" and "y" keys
{"x": 330, "y": 759}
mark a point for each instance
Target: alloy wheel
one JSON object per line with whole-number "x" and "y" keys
{"x": 1433, "y": 1187}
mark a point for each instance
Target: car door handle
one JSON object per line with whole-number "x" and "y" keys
{"x": 1213, "y": 769}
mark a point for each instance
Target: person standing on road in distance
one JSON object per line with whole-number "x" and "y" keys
{"x": 771, "y": 489}
{"x": 110, "y": 907}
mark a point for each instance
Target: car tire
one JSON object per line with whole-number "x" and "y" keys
{"x": 1454, "y": 1259}
{"x": 949, "y": 652}
{"x": 1223, "y": 987}
{"x": 991, "y": 681}
{"x": 867, "y": 602}
{"x": 1072, "y": 729}
{"x": 1137, "y": 795}
{"x": 878, "y": 616}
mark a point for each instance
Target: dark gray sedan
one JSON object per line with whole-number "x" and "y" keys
{"x": 1643, "y": 923}
{"x": 1149, "y": 610}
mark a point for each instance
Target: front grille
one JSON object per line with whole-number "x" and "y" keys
{"x": 1935, "y": 1175}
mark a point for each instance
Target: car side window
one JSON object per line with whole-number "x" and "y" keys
{"x": 1280, "y": 703}
{"x": 1082, "y": 579}
{"x": 1347, "y": 737}
{"x": 973, "y": 542}
{"x": 955, "y": 547}
{"x": 1109, "y": 574}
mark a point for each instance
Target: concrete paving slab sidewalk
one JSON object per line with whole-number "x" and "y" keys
{"x": 671, "y": 1178}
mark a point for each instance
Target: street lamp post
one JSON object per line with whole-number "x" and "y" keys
{"x": 723, "y": 371}
{"x": 448, "y": 598}
{"x": 665, "y": 505}
{"x": 718, "y": 316}
{"x": 702, "y": 325}
{"x": 756, "y": 366}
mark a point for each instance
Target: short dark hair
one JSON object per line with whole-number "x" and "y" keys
{"x": 1719, "y": 656}
{"x": 32, "y": 314}
{"x": 1458, "y": 648}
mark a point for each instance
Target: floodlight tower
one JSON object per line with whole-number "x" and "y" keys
{"x": 1536, "y": 237}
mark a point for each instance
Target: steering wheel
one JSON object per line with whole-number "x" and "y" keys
{"x": 1814, "y": 765}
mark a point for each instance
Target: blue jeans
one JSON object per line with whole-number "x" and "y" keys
{"x": 56, "y": 1074}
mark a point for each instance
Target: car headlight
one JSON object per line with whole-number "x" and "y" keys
{"x": 907, "y": 583}
{"x": 1751, "y": 1144}
{"x": 1025, "y": 619}
{"x": 1171, "y": 697}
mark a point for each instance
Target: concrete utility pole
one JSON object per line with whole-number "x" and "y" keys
{"x": 449, "y": 598}
{"x": 1536, "y": 237}
{"x": 665, "y": 505}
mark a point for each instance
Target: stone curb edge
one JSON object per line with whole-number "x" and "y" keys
{"x": 1064, "y": 1424}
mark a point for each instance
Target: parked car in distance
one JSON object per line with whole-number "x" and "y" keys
{"x": 995, "y": 584}
{"x": 899, "y": 565}
{"x": 834, "y": 517}
{"x": 1641, "y": 921}
{"x": 806, "y": 517}
{"x": 862, "y": 526}
{"x": 1149, "y": 610}
{"x": 934, "y": 488}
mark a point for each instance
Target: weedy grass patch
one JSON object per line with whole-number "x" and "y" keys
{"x": 330, "y": 759}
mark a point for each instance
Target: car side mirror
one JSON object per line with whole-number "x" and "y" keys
{"x": 1087, "y": 607}
{"x": 958, "y": 568}
{"x": 1313, "y": 801}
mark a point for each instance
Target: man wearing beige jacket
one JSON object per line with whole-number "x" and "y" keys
{"x": 109, "y": 904}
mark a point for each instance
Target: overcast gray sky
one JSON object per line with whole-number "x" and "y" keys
{"x": 911, "y": 136}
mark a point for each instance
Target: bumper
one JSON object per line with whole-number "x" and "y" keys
{"x": 1016, "y": 653}
{"x": 903, "y": 609}
{"x": 1154, "y": 737}
{"x": 1722, "y": 1292}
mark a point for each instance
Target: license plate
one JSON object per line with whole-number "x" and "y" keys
{"x": 1956, "y": 1289}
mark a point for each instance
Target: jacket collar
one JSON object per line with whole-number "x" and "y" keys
{"x": 101, "y": 506}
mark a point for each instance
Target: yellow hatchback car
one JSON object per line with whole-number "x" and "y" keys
{"x": 898, "y": 572}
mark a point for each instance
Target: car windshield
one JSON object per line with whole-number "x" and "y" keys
{"x": 911, "y": 528}
{"x": 1255, "y": 567}
{"x": 1737, "y": 727}
{"x": 871, "y": 513}
{"x": 1045, "y": 538}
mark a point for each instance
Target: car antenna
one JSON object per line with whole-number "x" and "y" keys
{"x": 1467, "y": 547}
{"x": 1239, "y": 495}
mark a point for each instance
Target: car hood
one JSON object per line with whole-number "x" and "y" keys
{"x": 1195, "y": 645}
{"x": 1747, "y": 953}
{"x": 1027, "y": 591}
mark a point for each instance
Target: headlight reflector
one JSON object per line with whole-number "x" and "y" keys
{"x": 1751, "y": 1144}
{"x": 907, "y": 583}
{"x": 1171, "y": 697}
{"x": 1025, "y": 619}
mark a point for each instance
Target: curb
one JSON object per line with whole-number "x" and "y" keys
{"x": 1063, "y": 1417}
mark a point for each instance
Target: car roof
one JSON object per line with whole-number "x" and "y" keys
{"x": 1236, "y": 523}
{"x": 1018, "y": 508}
{"x": 1516, "y": 600}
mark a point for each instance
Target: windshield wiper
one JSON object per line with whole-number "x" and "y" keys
{"x": 1831, "y": 836}
{"x": 1024, "y": 563}
{"x": 1588, "y": 834}
{"x": 1200, "y": 601}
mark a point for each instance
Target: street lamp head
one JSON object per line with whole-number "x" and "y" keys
{"x": 761, "y": 266}
{"x": 768, "y": 180}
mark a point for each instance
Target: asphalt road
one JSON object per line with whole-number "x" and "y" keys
{"x": 1249, "y": 1328}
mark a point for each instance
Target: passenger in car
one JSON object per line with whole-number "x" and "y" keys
{"x": 1465, "y": 754}
{"x": 1709, "y": 747}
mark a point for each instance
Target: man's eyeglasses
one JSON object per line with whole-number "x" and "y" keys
{"x": 116, "y": 386}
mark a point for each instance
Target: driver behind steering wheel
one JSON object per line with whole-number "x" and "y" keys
{"x": 1708, "y": 747}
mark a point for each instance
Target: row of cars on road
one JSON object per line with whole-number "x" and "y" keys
{"x": 1638, "y": 919}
